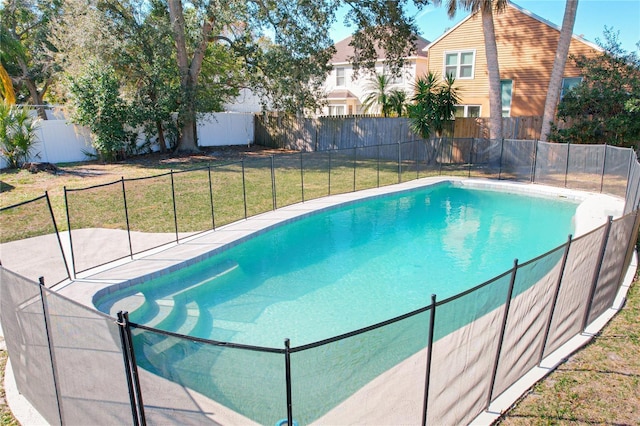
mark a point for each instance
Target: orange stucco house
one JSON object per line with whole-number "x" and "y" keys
{"x": 526, "y": 50}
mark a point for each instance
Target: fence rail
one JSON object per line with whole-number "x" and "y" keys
{"x": 503, "y": 327}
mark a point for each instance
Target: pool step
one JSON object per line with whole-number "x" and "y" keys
{"x": 191, "y": 314}
{"x": 128, "y": 304}
{"x": 165, "y": 309}
{"x": 215, "y": 272}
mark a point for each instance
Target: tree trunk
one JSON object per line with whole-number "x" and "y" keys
{"x": 495, "y": 92}
{"x": 189, "y": 72}
{"x": 161, "y": 141}
{"x": 555, "y": 83}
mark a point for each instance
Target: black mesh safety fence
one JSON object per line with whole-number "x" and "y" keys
{"x": 518, "y": 160}
{"x": 335, "y": 169}
{"x": 551, "y": 163}
{"x": 611, "y": 268}
{"x": 87, "y": 354}
{"x": 427, "y": 156}
{"x": 96, "y": 214}
{"x": 258, "y": 185}
{"x": 25, "y": 332}
{"x": 193, "y": 381}
{"x": 486, "y": 158}
{"x": 367, "y": 168}
{"x": 288, "y": 179}
{"x": 572, "y": 301}
{"x": 229, "y": 204}
{"x": 618, "y": 163}
{"x": 455, "y": 156}
{"x": 530, "y": 307}
{"x": 408, "y": 161}
{"x": 382, "y": 367}
{"x": 632, "y": 197}
{"x": 151, "y": 211}
{"x": 317, "y": 169}
{"x": 30, "y": 240}
{"x": 585, "y": 167}
{"x": 193, "y": 201}
{"x": 467, "y": 331}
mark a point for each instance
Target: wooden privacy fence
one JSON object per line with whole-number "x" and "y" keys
{"x": 322, "y": 133}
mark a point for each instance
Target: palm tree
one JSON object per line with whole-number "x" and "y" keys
{"x": 8, "y": 94}
{"x": 397, "y": 101}
{"x": 486, "y": 8}
{"x": 378, "y": 93}
{"x": 434, "y": 104}
{"x": 559, "y": 63}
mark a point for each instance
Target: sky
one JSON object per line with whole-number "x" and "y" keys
{"x": 592, "y": 16}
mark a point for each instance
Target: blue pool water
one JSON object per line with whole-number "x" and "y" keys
{"x": 349, "y": 267}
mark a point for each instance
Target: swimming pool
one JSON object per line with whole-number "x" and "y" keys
{"x": 374, "y": 259}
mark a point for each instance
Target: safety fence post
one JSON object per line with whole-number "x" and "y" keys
{"x": 273, "y": 185}
{"x": 415, "y": 158}
{"x": 355, "y": 165}
{"x": 55, "y": 227}
{"x": 378, "y": 168}
{"x": 566, "y": 168}
{"x": 302, "y": 176}
{"x": 535, "y": 162}
{"x": 596, "y": 275}
{"x": 429, "y": 356}
{"x": 501, "y": 154}
{"x": 213, "y": 215}
{"x": 329, "y": 177}
{"x": 52, "y": 358}
{"x": 287, "y": 369}
{"x": 604, "y": 165}
{"x": 244, "y": 188}
{"x": 66, "y": 206}
{"x": 554, "y": 301}
{"x": 175, "y": 211}
{"x": 126, "y": 215}
{"x": 399, "y": 163}
{"x": 131, "y": 369}
{"x": 470, "y": 158}
{"x": 502, "y": 331}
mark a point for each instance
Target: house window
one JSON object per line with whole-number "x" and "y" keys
{"x": 459, "y": 64}
{"x": 464, "y": 111}
{"x": 336, "y": 110}
{"x": 340, "y": 80}
{"x": 569, "y": 83}
{"x": 506, "y": 87}
{"x": 394, "y": 79}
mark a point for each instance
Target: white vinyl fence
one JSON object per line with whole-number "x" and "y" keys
{"x": 60, "y": 141}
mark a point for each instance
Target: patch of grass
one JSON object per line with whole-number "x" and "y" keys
{"x": 6, "y": 417}
{"x": 598, "y": 385}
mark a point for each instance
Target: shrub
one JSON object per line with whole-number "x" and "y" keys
{"x": 17, "y": 134}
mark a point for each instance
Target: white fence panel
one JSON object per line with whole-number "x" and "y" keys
{"x": 225, "y": 128}
{"x": 60, "y": 141}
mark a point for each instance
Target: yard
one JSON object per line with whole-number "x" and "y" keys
{"x": 599, "y": 384}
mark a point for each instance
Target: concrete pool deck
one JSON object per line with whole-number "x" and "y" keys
{"x": 592, "y": 213}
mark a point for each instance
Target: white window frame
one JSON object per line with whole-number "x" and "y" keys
{"x": 399, "y": 79}
{"x": 336, "y": 110}
{"x": 459, "y": 64}
{"x": 465, "y": 109}
{"x": 562, "y": 88}
{"x": 506, "y": 110}
{"x": 342, "y": 77}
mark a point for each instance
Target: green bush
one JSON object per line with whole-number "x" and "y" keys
{"x": 17, "y": 134}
